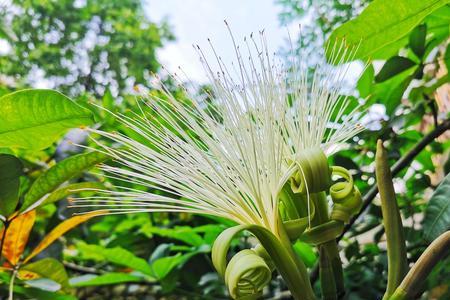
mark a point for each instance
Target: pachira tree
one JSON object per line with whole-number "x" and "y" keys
{"x": 260, "y": 152}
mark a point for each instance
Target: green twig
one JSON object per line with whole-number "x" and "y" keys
{"x": 402, "y": 163}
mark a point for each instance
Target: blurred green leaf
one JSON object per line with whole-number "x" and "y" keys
{"x": 34, "y": 293}
{"x": 66, "y": 169}
{"x": 447, "y": 59}
{"x": 417, "y": 40}
{"x": 161, "y": 267}
{"x": 104, "y": 279}
{"x": 34, "y": 119}
{"x": 365, "y": 82}
{"x": 49, "y": 268}
{"x": 437, "y": 213}
{"x": 10, "y": 172}
{"x": 394, "y": 66}
{"x": 117, "y": 255}
{"x": 381, "y": 24}
{"x": 185, "y": 234}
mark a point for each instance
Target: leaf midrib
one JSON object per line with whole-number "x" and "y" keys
{"x": 45, "y": 124}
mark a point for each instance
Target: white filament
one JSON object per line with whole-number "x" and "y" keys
{"x": 230, "y": 160}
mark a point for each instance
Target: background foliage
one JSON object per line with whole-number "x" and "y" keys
{"x": 97, "y": 52}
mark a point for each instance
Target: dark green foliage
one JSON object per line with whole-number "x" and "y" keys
{"x": 81, "y": 47}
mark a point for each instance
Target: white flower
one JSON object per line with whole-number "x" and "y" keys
{"x": 231, "y": 160}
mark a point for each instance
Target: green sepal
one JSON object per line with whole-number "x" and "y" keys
{"x": 247, "y": 274}
{"x": 314, "y": 174}
{"x": 294, "y": 212}
{"x": 345, "y": 195}
{"x": 323, "y": 233}
{"x": 284, "y": 258}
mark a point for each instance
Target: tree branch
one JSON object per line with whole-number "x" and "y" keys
{"x": 81, "y": 269}
{"x": 398, "y": 166}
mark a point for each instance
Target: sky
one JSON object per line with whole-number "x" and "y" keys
{"x": 194, "y": 21}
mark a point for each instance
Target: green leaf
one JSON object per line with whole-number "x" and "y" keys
{"x": 185, "y": 234}
{"x": 34, "y": 119}
{"x": 34, "y": 293}
{"x": 437, "y": 213}
{"x": 66, "y": 169}
{"x": 365, "y": 82}
{"x": 417, "y": 40}
{"x": 393, "y": 66}
{"x": 104, "y": 279}
{"x": 162, "y": 266}
{"x": 49, "y": 268}
{"x": 10, "y": 172}
{"x": 381, "y": 24}
{"x": 115, "y": 255}
{"x": 390, "y": 92}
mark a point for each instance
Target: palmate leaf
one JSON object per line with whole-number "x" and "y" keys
{"x": 437, "y": 213}
{"x": 34, "y": 119}
{"x": 381, "y": 24}
{"x": 66, "y": 169}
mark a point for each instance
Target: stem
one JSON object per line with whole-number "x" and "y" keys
{"x": 326, "y": 276}
{"x": 304, "y": 284}
{"x": 400, "y": 165}
{"x": 330, "y": 248}
{"x": 396, "y": 248}
{"x": 11, "y": 285}
{"x": 411, "y": 284}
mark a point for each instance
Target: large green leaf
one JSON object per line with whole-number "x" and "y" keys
{"x": 381, "y": 24}
{"x": 104, "y": 279}
{"x": 66, "y": 169}
{"x": 10, "y": 172}
{"x": 49, "y": 268}
{"x": 34, "y": 119}
{"x": 437, "y": 213}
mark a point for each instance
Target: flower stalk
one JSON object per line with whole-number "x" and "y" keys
{"x": 396, "y": 248}
{"x": 412, "y": 283}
